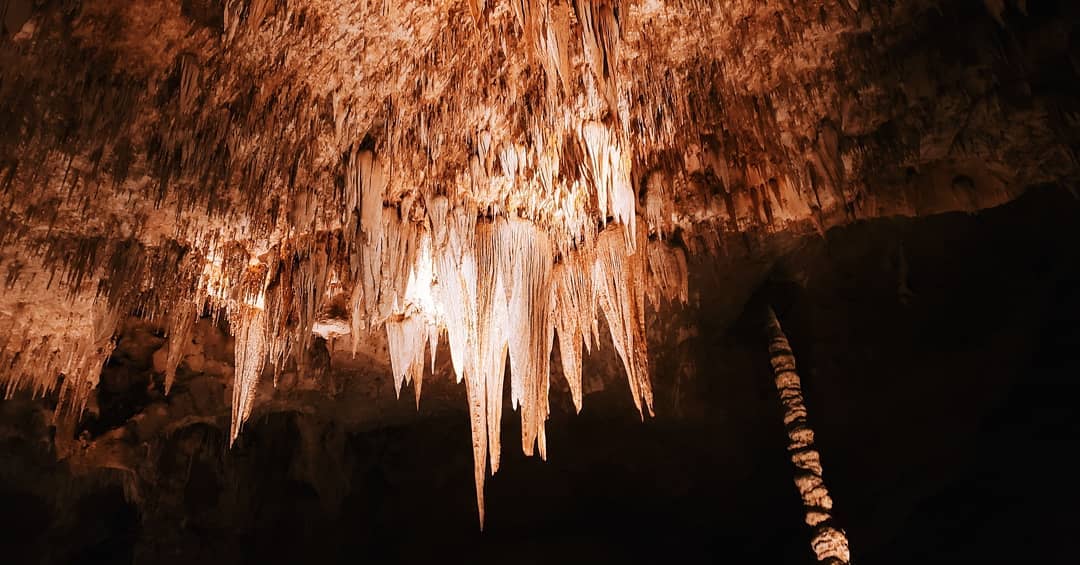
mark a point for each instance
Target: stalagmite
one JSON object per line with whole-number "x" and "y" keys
{"x": 829, "y": 543}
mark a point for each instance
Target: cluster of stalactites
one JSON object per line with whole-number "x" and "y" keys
{"x": 607, "y": 167}
{"x": 571, "y": 178}
{"x": 502, "y": 287}
{"x": 669, "y": 274}
{"x": 546, "y": 29}
{"x": 31, "y": 361}
{"x": 271, "y": 301}
{"x": 496, "y": 289}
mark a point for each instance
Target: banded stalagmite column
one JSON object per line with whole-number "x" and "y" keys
{"x": 829, "y": 543}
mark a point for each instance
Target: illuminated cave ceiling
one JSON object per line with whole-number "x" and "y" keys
{"x": 495, "y": 175}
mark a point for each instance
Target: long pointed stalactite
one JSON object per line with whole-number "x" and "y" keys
{"x": 829, "y": 543}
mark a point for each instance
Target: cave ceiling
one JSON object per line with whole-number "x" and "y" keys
{"x": 498, "y": 176}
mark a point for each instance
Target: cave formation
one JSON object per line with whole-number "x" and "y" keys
{"x": 283, "y": 278}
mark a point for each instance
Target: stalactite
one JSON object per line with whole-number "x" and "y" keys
{"x": 455, "y": 269}
{"x": 189, "y": 82}
{"x": 617, "y": 278}
{"x": 64, "y": 349}
{"x": 253, "y": 342}
{"x": 546, "y": 30}
{"x": 599, "y": 20}
{"x": 529, "y": 327}
{"x": 249, "y": 328}
{"x": 401, "y": 240}
{"x": 281, "y": 305}
{"x": 181, "y": 321}
{"x": 668, "y": 274}
{"x": 658, "y": 204}
{"x": 492, "y": 328}
{"x": 309, "y": 288}
{"x": 406, "y": 338}
{"x": 829, "y": 543}
{"x": 446, "y": 176}
{"x": 575, "y": 314}
{"x": 82, "y": 369}
{"x": 356, "y": 315}
{"x": 608, "y": 166}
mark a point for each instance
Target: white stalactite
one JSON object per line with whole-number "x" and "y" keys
{"x": 249, "y": 330}
{"x": 181, "y": 322}
{"x": 406, "y": 338}
{"x": 529, "y": 328}
{"x": 575, "y": 315}
{"x": 492, "y": 329}
{"x": 609, "y": 169}
{"x": 618, "y": 280}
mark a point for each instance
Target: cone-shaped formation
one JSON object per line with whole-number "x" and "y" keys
{"x": 249, "y": 327}
{"x": 407, "y": 338}
{"x": 830, "y": 544}
{"x": 181, "y": 321}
